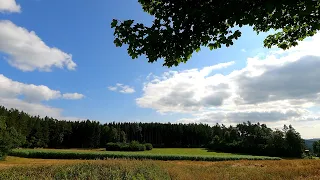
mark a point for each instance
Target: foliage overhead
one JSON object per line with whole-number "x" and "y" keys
{"x": 181, "y": 27}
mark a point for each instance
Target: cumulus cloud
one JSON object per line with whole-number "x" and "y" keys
{"x": 278, "y": 86}
{"x": 31, "y": 92}
{"x": 28, "y": 97}
{"x": 122, "y": 88}
{"x": 9, "y": 6}
{"x": 27, "y": 52}
{"x": 185, "y": 91}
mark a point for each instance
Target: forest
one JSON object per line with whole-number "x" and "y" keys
{"x": 245, "y": 138}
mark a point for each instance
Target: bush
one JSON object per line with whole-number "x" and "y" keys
{"x": 113, "y": 146}
{"x": 148, "y": 146}
{"x": 133, "y": 146}
{"x": 136, "y": 146}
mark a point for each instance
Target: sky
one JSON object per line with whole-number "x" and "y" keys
{"x": 57, "y": 58}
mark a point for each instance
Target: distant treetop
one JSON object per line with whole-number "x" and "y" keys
{"x": 183, "y": 26}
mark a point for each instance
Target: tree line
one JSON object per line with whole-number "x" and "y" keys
{"x": 37, "y": 132}
{"x": 316, "y": 148}
{"x": 257, "y": 139}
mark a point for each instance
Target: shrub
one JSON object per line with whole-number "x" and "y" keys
{"x": 113, "y": 147}
{"x": 125, "y": 147}
{"x": 148, "y": 146}
{"x": 133, "y": 146}
{"x": 136, "y": 146}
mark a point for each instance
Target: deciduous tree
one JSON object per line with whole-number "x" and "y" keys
{"x": 181, "y": 27}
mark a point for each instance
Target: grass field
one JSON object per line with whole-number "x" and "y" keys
{"x": 196, "y": 154}
{"x": 23, "y": 168}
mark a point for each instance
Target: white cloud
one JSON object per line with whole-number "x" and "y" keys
{"x": 185, "y": 91}
{"x": 31, "y": 108}
{"x": 9, "y": 6}
{"x": 28, "y": 97}
{"x": 27, "y": 52}
{"x": 31, "y": 92}
{"x": 243, "y": 50}
{"x": 122, "y": 88}
{"x": 276, "y": 88}
{"x": 72, "y": 96}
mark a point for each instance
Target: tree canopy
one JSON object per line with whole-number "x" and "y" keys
{"x": 9, "y": 138}
{"x": 316, "y": 148}
{"x": 181, "y": 27}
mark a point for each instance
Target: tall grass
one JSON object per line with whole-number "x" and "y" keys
{"x": 49, "y": 154}
{"x": 118, "y": 171}
{"x": 246, "y": 170}
{"x": 23, "y": 168}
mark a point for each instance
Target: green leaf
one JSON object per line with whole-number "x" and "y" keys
{"x": 114, "y": 23}
{"x": 117, "y": 42}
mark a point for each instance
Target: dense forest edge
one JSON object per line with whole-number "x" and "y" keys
{"x": 19, "y": 129}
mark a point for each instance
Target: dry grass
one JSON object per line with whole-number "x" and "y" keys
{"x": 38, "y": 169}
{"x": 17, "y": 161}
{"x": 284, "y": 169}
{"x": 188, "y": 170}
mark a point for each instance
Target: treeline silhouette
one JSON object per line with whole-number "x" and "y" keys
{"x": 246, "y": 138}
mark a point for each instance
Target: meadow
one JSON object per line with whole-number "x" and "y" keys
{"x": 28, "y": 168}
{"x": 193, "y": 154}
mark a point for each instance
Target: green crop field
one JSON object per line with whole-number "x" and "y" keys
{"x": 195, "y": 154}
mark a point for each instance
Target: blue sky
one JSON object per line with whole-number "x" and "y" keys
{"x": 82, "y": 29}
